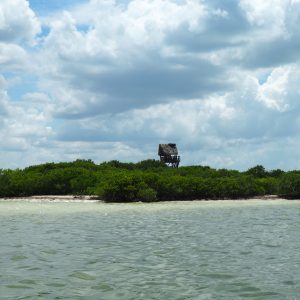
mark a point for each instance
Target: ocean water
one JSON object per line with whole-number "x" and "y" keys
{"x": 175, "y": 250}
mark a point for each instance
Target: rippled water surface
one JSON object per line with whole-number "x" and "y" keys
{"x": 182, "y": 250}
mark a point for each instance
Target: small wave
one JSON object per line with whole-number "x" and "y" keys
{"x": 83, "y": 276}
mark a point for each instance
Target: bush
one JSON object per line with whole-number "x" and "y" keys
{"x": 257, "y": 171}
{"x": 290, "y": 184}
{"x": 148, "y": 180}
{"x": 147, "y": 195}
{"x": 269, "y": 185}
{"x": 126, "y": 188}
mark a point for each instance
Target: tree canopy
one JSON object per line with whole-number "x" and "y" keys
{"x": 148, "y": 180}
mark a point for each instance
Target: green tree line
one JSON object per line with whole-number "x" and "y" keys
{"x": 148, "y": 180}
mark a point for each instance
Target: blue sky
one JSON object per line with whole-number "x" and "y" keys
{"x": 105, "y": 79}
{"x": 45, "y": 7}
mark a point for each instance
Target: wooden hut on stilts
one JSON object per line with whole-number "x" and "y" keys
{"x": 168, "y": 154}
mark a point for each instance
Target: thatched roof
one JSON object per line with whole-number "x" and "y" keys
{"x": 167, "y": 149}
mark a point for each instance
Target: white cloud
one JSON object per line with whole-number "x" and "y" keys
{"x": 12, "y": 58}
{"x": 122, "y": 62}
{"x": 274, "y": 91}
{"x": 220, "y": 78}
{"x": 18, "y": 23}
{"x": 21, "y": 128}
{"x": 268, "y": 13}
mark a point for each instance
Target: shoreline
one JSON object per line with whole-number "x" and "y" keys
{"x": 53, "y": 198}
{"x": 94, "y": 199}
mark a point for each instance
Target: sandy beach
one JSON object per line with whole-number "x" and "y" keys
{"x": 94, "y": 199}
{"x": 53, "y": 198}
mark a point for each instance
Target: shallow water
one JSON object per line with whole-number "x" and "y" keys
{"x": 178, "y": 250}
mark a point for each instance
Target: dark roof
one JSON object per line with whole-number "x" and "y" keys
{"x": 167, "y": 149}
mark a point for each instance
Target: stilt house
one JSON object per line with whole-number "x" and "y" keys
{"x": 168, "y": 154}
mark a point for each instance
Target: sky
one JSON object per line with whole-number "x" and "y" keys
{"x": 111, "y": 79}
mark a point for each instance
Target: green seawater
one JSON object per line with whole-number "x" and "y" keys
{"x": 174, "y": 250}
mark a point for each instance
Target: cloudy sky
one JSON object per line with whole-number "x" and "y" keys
{"x": 111, "y": 79}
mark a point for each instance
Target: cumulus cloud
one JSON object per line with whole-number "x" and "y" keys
{"x": 17, "y": 22}
{"x": 22, "y": 131}
{"x": 224, "y": 25}
{"x": 122, "y": 62}
{"x": 252, "y": 118}
{"x": 115, "y": 78}
{"x": 13, "y": 58}
{"x": 147, "y": 53}
{"x": 278, "y": 42}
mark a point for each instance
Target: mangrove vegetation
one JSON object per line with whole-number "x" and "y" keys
{"x": 148, "y": 180}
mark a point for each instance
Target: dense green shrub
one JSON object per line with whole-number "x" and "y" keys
{"x": 148, "y": 180}
{"x": 290, "y": 184}
{"x": 126, "y": 188}
{"x": 270, "y": 185}
{"x": 257, "y": 171}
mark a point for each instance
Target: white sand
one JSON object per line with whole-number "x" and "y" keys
{"x": 53, "y": 198}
